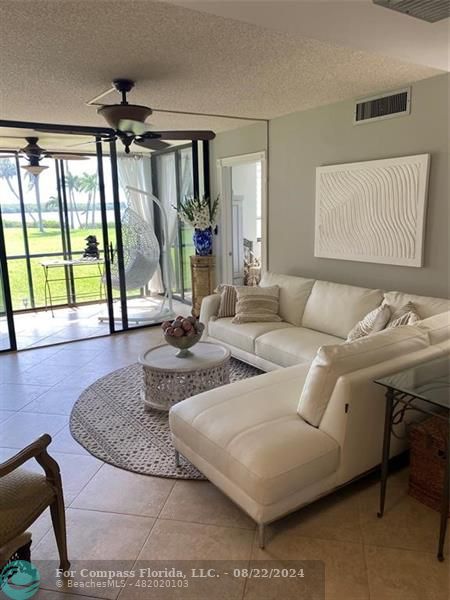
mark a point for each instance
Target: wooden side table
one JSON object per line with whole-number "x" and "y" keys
{"x": 203, "y": 272}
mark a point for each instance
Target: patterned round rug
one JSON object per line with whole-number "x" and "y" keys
{"x": 109, "y": 420}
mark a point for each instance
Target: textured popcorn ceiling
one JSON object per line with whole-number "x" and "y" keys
{"x": 56, "y": 55}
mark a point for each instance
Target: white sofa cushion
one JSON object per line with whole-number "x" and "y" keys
{"x": 426, "y": 306}
{"x": 333, "y": 361}
{"x": 287, "y": 347}
{"x": 294, "y": 293}
{"x": 335, "y": 308}
{"x": 437, "y": 327}
{"x": 242, "y": 336}
{"x": 250, "y": 432}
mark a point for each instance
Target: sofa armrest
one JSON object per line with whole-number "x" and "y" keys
{"x": 209, "y": 308}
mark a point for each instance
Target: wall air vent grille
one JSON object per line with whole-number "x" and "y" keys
{"x": 393, "y": 104}
{"x": 426, "y": 10}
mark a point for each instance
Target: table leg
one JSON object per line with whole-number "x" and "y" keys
{"x": 386, "y": 448}
{"x": 444, "y": 505}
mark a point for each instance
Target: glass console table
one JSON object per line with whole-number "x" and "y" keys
{"x": 424, "y": 388}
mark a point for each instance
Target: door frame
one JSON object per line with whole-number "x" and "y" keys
{"x": 224, "y": 166}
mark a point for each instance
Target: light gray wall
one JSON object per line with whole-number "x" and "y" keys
{"x": 302, "y": 141}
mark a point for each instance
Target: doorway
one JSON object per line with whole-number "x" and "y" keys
{"x": 242, "y": 184}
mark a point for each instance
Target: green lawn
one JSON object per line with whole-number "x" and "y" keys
{"x": 50, "y": 241}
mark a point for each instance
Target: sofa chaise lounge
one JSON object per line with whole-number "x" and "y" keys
{"x": 277, "y": 442}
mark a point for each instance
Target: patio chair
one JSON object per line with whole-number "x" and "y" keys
{"x": 24, "y": 495}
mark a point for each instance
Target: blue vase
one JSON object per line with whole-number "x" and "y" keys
{"x": 203, "y": 239}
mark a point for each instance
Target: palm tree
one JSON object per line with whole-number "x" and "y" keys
{"x": 88, "y": 184}
{"x": 8, "y": 172}
{"x": 73, "y": 185}
{"x": 33, "y": 183}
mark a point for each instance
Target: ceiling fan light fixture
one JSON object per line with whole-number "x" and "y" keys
{"x": 34, "y": 169}
{"x": 114, "y": 113}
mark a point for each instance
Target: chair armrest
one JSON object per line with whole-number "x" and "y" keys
{"x": 37, "y": 450}
{"x": 209, "y": 308}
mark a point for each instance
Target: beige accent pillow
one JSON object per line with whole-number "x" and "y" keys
{"x": 406, "y": 315}
{"x": 334, "y": 361}
{"x": 294, "y": 293}
{"x": 373, "y": 322}
{"x": 228, "y": 298}
{"x": 257, "y": 304}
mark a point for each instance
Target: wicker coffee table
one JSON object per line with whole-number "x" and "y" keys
{"x": 169, "y": 379}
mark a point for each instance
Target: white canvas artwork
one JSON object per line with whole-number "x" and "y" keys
{"x": 373, "y": 211}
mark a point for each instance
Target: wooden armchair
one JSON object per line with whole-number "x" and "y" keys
{"x": 24, "y": 495}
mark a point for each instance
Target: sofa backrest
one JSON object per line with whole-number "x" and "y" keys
{"x": 294, "y": 293}
{"x": 332, "y": 362}
{"x": 437, "y": 327}
{"x": 426, "y": 305}
{"x": 335, "y": 308}
{"x": 354, "y": 416}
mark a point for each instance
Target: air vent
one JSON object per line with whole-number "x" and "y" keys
{"x": 386, "y": 106}
{"x": 427, "y": 10}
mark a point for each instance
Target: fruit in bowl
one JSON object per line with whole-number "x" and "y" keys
{"x": 183, "y": 333}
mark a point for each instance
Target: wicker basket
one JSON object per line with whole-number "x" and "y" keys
{"x": 429, "y": 445}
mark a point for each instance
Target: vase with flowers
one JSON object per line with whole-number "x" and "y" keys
{"x": 201, "y": 214}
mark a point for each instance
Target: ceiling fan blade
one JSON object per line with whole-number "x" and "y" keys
{"x": 151, "y": 144}
{"x": 90, "y": 143}
{"x": 196, "y": 134}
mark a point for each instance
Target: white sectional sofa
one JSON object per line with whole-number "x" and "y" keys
{"x": 276, "y": 442}
{"x": 314, "y": 313}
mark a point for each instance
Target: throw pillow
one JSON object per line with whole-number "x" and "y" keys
{"x": 406, "y": 315}
{"x": 373, "y": 322}
{"x": 257, "y": 304}
{"x": 228, "y": 297}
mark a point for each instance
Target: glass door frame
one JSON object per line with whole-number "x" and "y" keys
{"x": 4, "y": 283}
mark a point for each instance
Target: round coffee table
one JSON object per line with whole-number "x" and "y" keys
{"x": 169, "y": 379}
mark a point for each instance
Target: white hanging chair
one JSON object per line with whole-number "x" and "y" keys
{"x": 140, "y": 252}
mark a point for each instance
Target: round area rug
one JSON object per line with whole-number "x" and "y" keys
{"x": 109, "y": 420}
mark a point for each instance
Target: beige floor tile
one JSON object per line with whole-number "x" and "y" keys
{"x": 40, "y": 528}
{"x": 406, "y": 575}
{"x": 116, "y": 490}
{"x": 96, "y": 541}
{"x": 64, "y": 442}
{"x": 202, "y": 502}
{"x": 58, "y": 400}
{"x": 14, "y": 396}
{"x": 23, "y": 428}
{"x": 335, "y": 517}
{"x": 345, "y": 570}
{"x": 6, "y": 414}
{"x": 49, "y": 595}
{"x": 49, "y": 372}
{"x": 177, "y": 540}
{"x": 406, "y": 523}
{"x": 96, "y": 535}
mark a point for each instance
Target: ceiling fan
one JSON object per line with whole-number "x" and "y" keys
{"x": 128, "y": 122}
{"x": 34, "y": 154}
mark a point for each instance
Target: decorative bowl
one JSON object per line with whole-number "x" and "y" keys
{"x": 183, "y": 343}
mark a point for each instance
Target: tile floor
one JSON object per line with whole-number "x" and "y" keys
{"x": 35, "y": 329}
{"x": 113, "y": 514}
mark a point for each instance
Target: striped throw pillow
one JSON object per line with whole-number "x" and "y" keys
{"x": 374, "y": 321}
{"x": 228, "y": 299}
{"x": 406, "y": 315}
{"x": 257, "y": 304}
